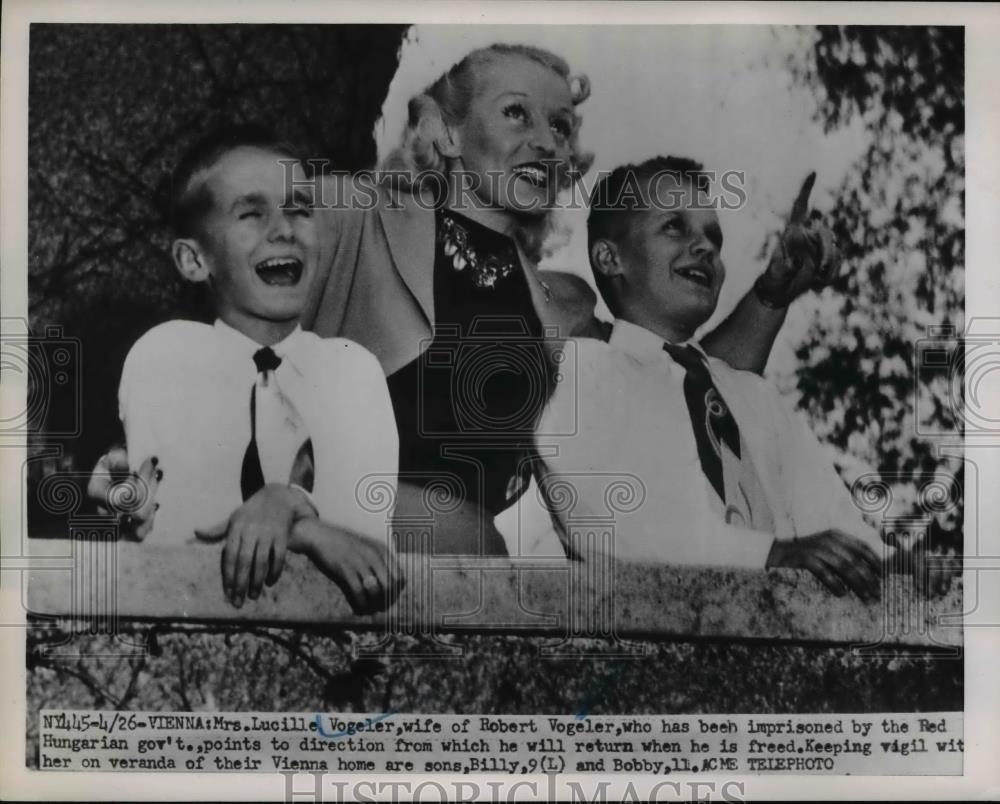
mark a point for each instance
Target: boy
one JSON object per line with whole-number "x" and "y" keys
{"x": 724, "y": 475}
{"x": 259, "y": 432}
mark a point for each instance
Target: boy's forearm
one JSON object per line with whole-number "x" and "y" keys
{"x": 319, "y": 542}
{"x": 304, "y": 506}
{"x": 304, "y": 535}
{"x": 745, "y": 338}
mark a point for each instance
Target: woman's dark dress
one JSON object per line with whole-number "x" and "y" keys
{"x": 466, "y": 408}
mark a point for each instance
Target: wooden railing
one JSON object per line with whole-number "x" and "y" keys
{"x": 102, "y": 581}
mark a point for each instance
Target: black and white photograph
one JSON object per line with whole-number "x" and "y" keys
{"x": 429, "y": 399}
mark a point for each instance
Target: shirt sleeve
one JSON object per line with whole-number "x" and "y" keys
{"x": 726, "y": 545}
{"x": 817, "y": 497}
{"x": 139, "y": 395}
{"x": 356, "y": 443}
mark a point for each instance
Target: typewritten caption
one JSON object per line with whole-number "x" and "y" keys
{"x": 872, "y": 744}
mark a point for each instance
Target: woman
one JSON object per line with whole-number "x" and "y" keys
{"x": 434, "y": 270}
{"x": 440, "y": 282}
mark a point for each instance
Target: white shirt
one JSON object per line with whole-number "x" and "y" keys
{"x": 185, "y": 398}
{"x": 629, "y": 433}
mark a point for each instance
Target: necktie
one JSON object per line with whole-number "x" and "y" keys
{"x": 711, "y": 420}
{"x": 279, "y": 449}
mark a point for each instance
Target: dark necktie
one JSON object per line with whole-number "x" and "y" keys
{"x": 252, "y": 475}
{"x": 711, "y": 420}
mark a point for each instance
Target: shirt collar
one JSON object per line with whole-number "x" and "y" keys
{"x": 641, "y": 343}
{"x": 285, "y": 348}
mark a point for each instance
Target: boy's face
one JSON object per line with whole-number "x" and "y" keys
{"x": 262, "y": 257}
{"x": 670, "y": 257}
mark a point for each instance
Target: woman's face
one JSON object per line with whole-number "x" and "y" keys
{"x": 514, "y": 143}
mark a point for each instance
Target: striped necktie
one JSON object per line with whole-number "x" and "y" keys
{"x": 711, "y": 420}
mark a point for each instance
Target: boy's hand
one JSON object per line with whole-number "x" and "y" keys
{"x": 367, "y": 573}
{"x": 806, "y": 258}
{"x": 257, "y": 536}
{"x": 130, "y": 494}
{"x": 840, "y": 561}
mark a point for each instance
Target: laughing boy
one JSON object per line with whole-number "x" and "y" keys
{"x": 262, "y": 432}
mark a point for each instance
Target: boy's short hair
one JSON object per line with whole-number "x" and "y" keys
{"x": 187, "y": 201}
{"x": 621, "y": 192}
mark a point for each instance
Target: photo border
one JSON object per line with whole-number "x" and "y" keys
{"x": 982, "y": 655}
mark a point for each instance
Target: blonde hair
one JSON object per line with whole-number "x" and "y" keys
{"x": 447, "y": 102}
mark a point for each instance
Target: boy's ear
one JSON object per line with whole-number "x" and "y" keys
{"x": 605, "y": 258}
{"x": 189, "y": 260}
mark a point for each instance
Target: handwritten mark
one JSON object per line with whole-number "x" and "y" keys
{"x": 369, "y": 722}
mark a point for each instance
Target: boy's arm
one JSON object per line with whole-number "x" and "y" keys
{"x": 127, "y": 479}
{"x": 366, "y": 571}
{"x": 137, "y": 403}
{"x": 837, "y": 559}
{"x": 356, "y": 447}
{"x": 831, "y": 532}
{"x": 357, "y": 463}
{"x": 745, "y": 338}
{"x": 817, "y": 497}
{"x": 669, "y": 517}
{"x": 805, "y": 258}
{"x": 257, "y": 537}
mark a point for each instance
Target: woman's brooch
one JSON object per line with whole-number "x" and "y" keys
{"x": 485, "y": 270}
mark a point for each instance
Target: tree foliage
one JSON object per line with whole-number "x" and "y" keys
{"x": 900, "y": 214}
